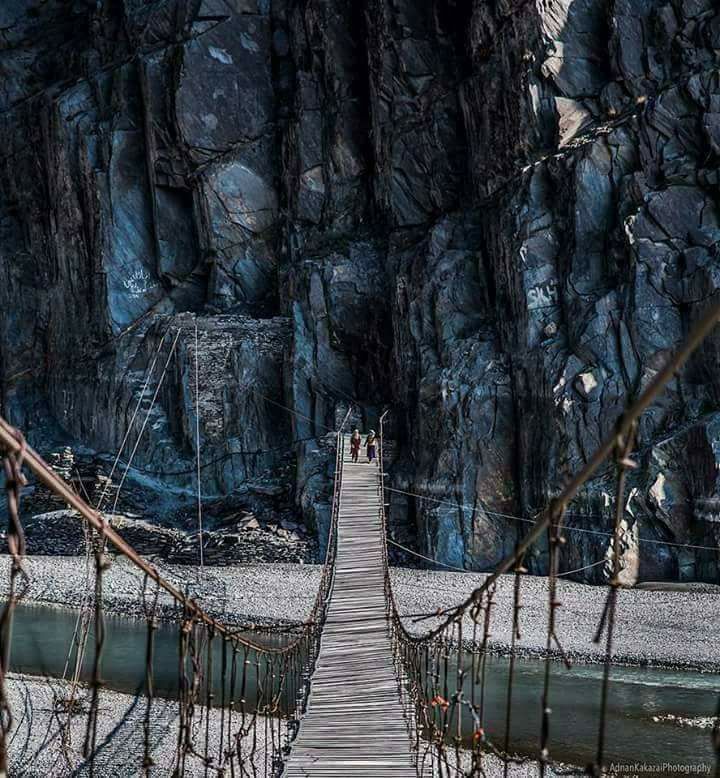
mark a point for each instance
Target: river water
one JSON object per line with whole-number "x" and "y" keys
{"x": 655, "y": 716}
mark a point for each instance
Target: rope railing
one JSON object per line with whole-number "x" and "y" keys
{"x": 443, "y": 671}
{"x": 240, "y": 697}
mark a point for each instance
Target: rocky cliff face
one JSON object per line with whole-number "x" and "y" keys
{"x": 495, "y": 218}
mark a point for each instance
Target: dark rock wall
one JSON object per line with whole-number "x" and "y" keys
{"x": 495, "y": 218}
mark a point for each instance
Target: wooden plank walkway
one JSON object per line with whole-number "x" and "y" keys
{"x": 354, "y": 725}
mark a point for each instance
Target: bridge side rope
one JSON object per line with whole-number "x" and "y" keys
{"x": 444, "y": 691}
{"x": 240, "y": 697}
{"x": 14, "y": 481}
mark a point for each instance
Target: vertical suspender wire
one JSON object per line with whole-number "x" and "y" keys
{"x": 116, "y": 461}
{"x": 223, "y": 706}
{"x": 459, "y": 700}
{"x": 716, "y": 740}
{"x": 197, "y": 641}
{"x": 183, "y": 686}
{"x": 253, "y": 719}
{"x": 232, "y": 742}
{"x": 197, "y": 451}
{"x": 150, "y": 612}
{"x": 101, "y": 564}
{"x": 519, "y": 570}
{"x": 482, "y": 670}
{"x": 445, "y": 704}
{"x": 555, "y": 539}
{"x": 242, "y": 731}
{"x": 421, "y": 703}
{"x": 440, "y": 643}
{"x": 209, "y": 695}
{"x": 475, "y": 761}
{"x": 266, "y": 716}
{"x": 623, "y": 464}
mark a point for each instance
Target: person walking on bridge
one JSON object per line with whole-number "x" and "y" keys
{"x": 355, "y": 443}
{"x": 371, "y": 445}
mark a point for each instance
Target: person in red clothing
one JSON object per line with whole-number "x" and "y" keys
{"x": 355, "y": 442}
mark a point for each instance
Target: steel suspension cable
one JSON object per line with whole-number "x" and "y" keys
{"x": 101, "y": 498}
{"x": 138, "y": 404}
{"x": 147, "y": 418}
{"x": 607, "y": 621}
{"x": 583, "y": 530}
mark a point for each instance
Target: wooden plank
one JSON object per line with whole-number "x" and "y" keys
{"x": 354, "y": 726}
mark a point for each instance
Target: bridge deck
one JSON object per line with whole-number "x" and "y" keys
{"x": 354, "y": 724}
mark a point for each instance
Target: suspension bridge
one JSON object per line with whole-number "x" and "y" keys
{"x": 355, "y": 724}
{"x": 357, "y": 689}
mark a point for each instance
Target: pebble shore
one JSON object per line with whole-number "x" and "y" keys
{"x": 45, "y": 744}
{"x": 663, "y": 627}
{"x": 673, "y": 628}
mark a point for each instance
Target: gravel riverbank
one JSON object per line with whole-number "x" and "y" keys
{"x": 43, "y": 744}
{"x": 660, "y": 627}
